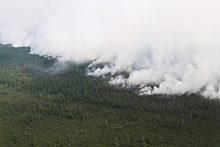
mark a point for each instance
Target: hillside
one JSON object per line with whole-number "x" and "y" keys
{"x": 45, "y": 103}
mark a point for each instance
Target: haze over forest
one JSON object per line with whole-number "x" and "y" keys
{"x": 173, "y": 44}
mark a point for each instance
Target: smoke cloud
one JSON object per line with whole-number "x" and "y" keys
{"x": 162, "y": 46}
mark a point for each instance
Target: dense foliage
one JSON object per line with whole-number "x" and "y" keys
{"x": 45, "y": 103}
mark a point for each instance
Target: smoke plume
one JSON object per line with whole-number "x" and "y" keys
{"x": 159, "y": 46}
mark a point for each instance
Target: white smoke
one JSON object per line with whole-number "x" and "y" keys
{"x": 163, "y": 46}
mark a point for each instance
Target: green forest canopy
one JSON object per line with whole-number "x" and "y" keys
{"x": 40, "y": 96}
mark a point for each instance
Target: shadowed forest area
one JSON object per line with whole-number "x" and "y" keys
{"x": 46, "y": 103}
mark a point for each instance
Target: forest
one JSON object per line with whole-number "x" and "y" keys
{"x": 47, "y": 103}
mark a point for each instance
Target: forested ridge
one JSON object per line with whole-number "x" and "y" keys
{"x": 46, "y": 103}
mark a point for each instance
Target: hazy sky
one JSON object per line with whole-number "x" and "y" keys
{"x": 171, "y": 43}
